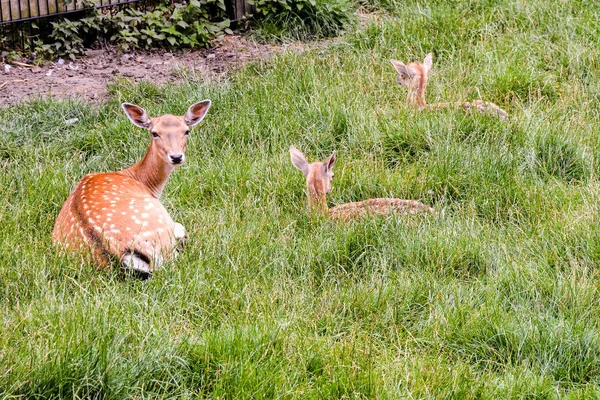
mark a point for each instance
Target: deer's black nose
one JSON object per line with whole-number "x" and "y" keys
{"x": 176, "y": 159}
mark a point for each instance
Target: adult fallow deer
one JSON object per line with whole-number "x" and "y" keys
{"x": 118, "y": 215}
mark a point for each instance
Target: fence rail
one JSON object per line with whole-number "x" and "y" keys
{"x": 12, "y": 11}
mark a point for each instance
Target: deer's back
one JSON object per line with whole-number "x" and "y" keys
{"x": 111, "y": 214}
{"x": 483, "y": 107}
{"x": 380, "y": 206}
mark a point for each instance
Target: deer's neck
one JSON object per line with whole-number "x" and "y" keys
{"x": 152, "y": 171}
{"x": 317, "y": 204}
{"x": 416, "y": 93}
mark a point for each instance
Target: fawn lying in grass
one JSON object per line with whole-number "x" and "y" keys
{"x": 118, "y": 214}
{"x": 318, "y": 183}
{"x": 415, "y": 76}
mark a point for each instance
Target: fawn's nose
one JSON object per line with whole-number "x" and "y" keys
{"x": 176, "y": 158}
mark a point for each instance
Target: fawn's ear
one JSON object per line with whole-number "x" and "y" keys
{"x": 137, "y": 115}
{"x": 402, "y": 69}
{"x": 329, "y": 161}
{"x": 298, "y": 160}
{"x": 196, "y": 113}
{"x": 428, "y": 62}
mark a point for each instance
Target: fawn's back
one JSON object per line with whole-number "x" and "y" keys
{"x": 377, "y": 206}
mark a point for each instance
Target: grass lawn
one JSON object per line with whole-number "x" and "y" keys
{"x": 497, "y": 295}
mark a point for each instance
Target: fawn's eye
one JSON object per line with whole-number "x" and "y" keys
{"x": 187, "y": 133}
{"x": 154, "y": 134}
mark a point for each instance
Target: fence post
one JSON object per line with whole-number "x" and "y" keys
{"x": 236, "y": 9}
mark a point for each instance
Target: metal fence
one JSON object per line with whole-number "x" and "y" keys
{"x": 12, "y": 11}
{"x": 18, "y": 17}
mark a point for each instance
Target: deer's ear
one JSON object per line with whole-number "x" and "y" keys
{"x": 329, "y": 161}
{"x": 137, "y": 115}
{"x": 402, "y": 69}
{"x": 196, "y": 113}
{"x": 428, "y": 62}
{"x": 298, "y": 160}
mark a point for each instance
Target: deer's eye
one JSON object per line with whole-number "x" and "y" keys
{"x": 154, "y": 134}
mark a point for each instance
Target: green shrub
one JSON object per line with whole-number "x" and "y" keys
{"x": 187, "y": 24}
{"x": 302, "y": 19}
{"x": 191, "y": 24}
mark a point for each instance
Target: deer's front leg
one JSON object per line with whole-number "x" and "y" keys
{"x": 180, "y": 235}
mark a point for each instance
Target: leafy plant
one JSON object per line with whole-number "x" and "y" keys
{"x": 188, "y": 24}
{"x": 302, "y": 19}
{"x": 192, "y": 24}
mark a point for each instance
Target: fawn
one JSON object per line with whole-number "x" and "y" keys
{"x": 415, "y": 76}
{"x": 318, "y": 183}
{"x": 118, "y": 214}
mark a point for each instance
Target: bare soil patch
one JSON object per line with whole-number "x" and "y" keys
{"x": 87, "y": 77}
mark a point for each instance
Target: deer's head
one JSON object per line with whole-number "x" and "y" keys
{"x": 414, "y": 76}
{"x": 318, "y": 176}
{"x": 169, "y": 132}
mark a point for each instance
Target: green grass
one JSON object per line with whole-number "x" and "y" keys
{"x": 495, "y": 296}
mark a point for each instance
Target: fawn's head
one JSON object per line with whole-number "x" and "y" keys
{"x": 169, "y": 132}
{"x": 414, "y": 76}
{"x": 318, "y": 177}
